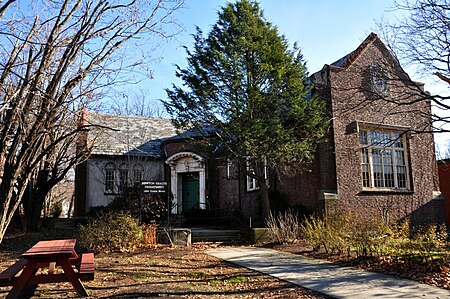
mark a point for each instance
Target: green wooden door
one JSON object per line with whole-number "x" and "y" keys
{"x": 191, "y": 191}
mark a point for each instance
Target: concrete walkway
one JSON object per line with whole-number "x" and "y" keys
{"x": 326, "y": 277}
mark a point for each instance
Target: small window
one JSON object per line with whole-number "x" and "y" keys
{"x": 383, "y": 159}
{"x": 380, "y": 81}
{"x": 229, "y": 166}
{"x": 110, "y": 178}
{"x": 252, "y": 183}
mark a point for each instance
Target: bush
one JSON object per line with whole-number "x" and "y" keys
{"x": 146, "y": 207}
{"x": 368, "y": 235}
{"x": 111, "y": 232}
{"x": 321, "y": 232}
{"x": 284, "y": 227}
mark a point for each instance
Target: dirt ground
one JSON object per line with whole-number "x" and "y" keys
{"x": 163, "y": 272}
{"x": 178, "y": 272}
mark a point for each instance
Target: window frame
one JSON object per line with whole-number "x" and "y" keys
{"x": 388, "y": 154}
{"x": 138, "y": 173}
{"x": 124, "y": 177}
{"x": 251, "y": 182}
{"x": 380, "y": 81}
{"x": 110, "y": 178}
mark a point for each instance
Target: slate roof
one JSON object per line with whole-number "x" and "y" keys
{"x": 129, "y": 135}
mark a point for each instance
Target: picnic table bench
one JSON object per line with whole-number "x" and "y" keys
{"x": 49, "y": 255}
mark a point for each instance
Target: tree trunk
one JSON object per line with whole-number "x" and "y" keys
{"x": 33, "y": 201}
{"x": 260, "y": 174}
{"x": 33, "y": 213}
{"x": 265, "y": 203}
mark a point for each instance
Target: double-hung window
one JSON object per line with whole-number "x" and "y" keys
{"x": 123, "y": 177}
{"x": 384, "y": 163}
{"x": 110, "y": 178}
{"x": 138, "y": 173}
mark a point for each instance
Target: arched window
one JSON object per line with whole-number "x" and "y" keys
{"x": 110, "y": 178}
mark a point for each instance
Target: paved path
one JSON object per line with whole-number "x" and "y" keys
{"x": 326, "y": 277}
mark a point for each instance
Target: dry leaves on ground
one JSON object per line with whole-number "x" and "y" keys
{"x": 162, "y": 272}
{"x": 436, "y": 272}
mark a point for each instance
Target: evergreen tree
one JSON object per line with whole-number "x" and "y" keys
{"x": 250, "y": 89}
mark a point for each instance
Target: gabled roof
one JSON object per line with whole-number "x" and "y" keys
{"x": 348, "y": 59}
{"x": 129, "y": 135}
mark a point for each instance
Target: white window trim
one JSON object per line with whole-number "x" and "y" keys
{"x": 252, "y": 182}
{"x": 113, "y": 169}
{"x": 392, "y": 148}
{"x": 122, "y": 176}
{"x": 229, "y": 165}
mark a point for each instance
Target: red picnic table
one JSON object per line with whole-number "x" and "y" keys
{"x": 49, "y": 254}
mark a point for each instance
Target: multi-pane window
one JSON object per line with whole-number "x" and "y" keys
{"x": 138, "y": 173}
{"x": 383, "y": 159}
{"x": 123, "y": 177}
{"x": 117, "y": 179}
{"x": 110, "y": 178}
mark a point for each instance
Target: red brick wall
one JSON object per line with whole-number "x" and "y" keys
{"x": 444, "y": 180}
{"x": 352, "y": 100}
{"x": 80, "y": 189}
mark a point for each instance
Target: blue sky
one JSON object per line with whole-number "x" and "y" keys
{"x": 325, "y": 30}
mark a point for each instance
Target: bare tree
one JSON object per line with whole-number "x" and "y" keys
{"x": 51, "y": 170}
{"x": 55, "y": 57}
{"x": 420, "y": 38}
{"x": 136, "y": 103}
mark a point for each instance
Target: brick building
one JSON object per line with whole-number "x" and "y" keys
{"x": 444, "y": 180}
{"x": 373, "y": 159}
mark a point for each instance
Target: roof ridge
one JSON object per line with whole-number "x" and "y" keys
{"x": 348, "y": 59}
{"x": 128, "y": 116}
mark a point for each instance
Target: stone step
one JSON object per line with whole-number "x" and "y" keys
{"x": 65, "y": 223}
{"x": 213, "y": 235}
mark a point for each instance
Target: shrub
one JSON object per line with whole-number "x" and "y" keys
{"x": 430, "y": 241}
{"x": 56, "y": 209}
{"x": 347, "y": 231}
{"x": 365, "y": 234}
{"x": 284, "y": 227}
{"x": 145, "y": 207}
{"x": 111, "y": 232}
{"x": 313, "y": 230}
{"x": 322, "y": 232}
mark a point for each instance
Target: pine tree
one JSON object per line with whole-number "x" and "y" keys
{"x": 250, "y": 89}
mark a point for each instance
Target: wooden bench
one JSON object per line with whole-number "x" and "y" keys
{"x": 7, "y": 277}
{"x": 87, "y": 267}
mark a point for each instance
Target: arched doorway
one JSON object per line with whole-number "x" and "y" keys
{"x": 187, "y": 181}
